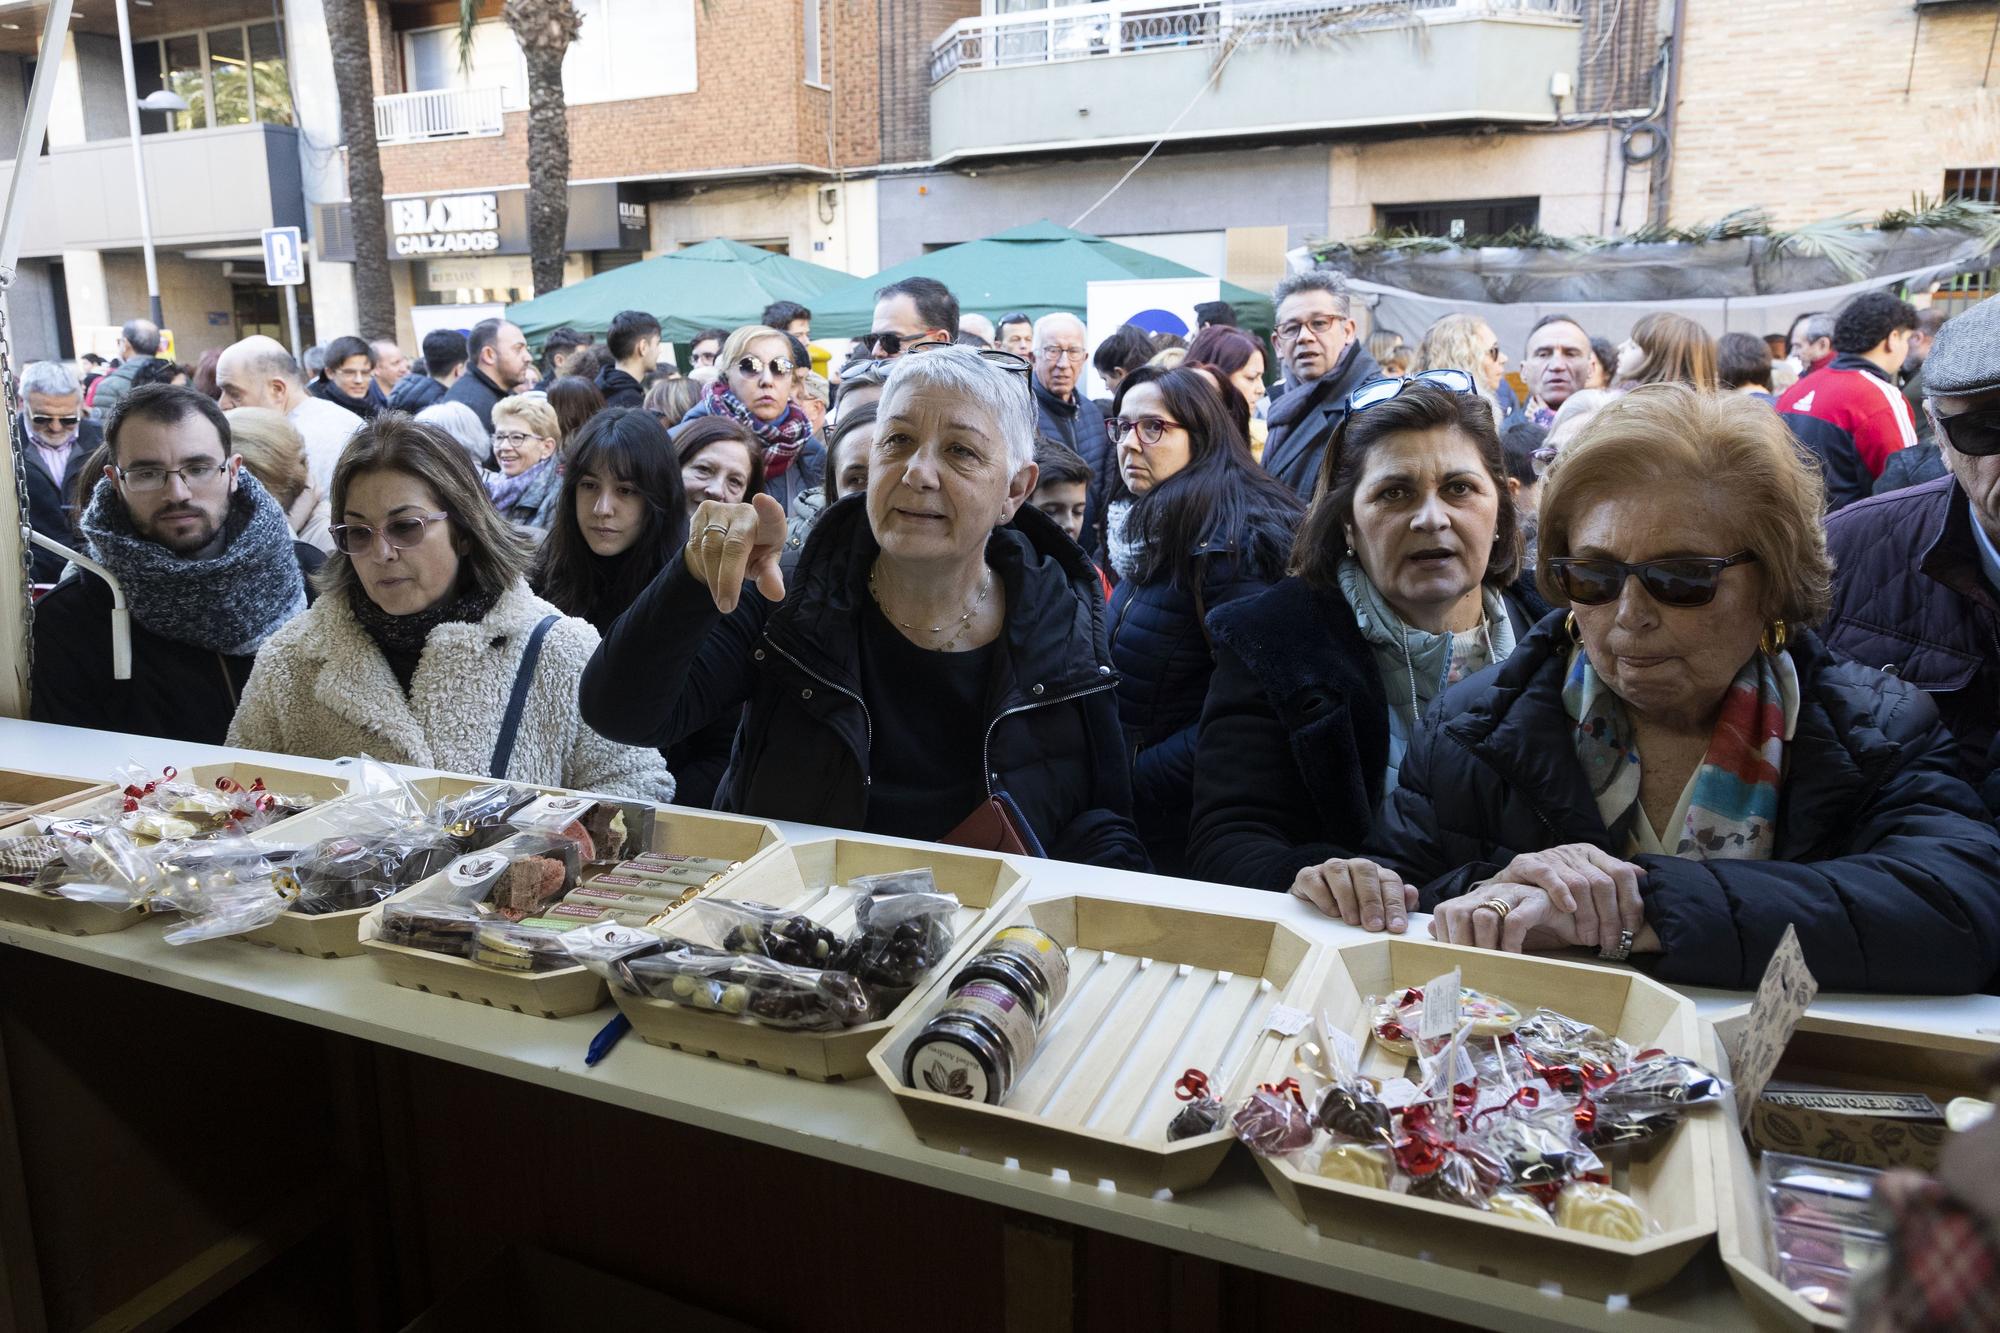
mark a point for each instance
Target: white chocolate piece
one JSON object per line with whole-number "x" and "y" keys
{"x": 1600, "y": 1211}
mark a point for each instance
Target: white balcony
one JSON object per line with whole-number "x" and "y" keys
{"x": 445, "y": 113}
{"x": 1118, "y": 71}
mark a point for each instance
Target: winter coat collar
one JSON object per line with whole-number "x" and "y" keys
{"x": 1950, "y": 553}
{"x": 1067, "y": 407}
{"x": 1854, "y": 361}
{"x": 1514, "y": 722}
{"x": 354, "y": 680}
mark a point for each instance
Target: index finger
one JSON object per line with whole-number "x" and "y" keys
{"x": 733, "y": 564}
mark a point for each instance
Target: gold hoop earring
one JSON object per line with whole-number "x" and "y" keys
{"x": 1575, "y": 634}
{"x": 1776, "y": 635}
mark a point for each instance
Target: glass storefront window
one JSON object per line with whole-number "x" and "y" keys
{"x": 146, "y": 77}
{"x": 268, "y": 74}
{"x": 184, "y": 76}
{"x": 229, "y": 75}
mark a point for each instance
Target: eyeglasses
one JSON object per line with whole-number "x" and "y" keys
{"x": 705, "y": 358}
{"x": 1062, "y": 354}
{"x": 41, "y": 420}
{"x": 514, "y": 439}
{"x": 1376, "y": 392}
{"x": 891, "y": 344}
{"x": 751, "y": 367}
{"x": 151, "y": 477}
{"x": 1543, "y": 459}
{"x": 992, "y": 356}
{"x": 400, "y": 533}
{"x": 1687, "y": 580}
{"x": 1151, "y": 429}
{"x": 1974, "y": 434}
{"x": 1321, "y": 325}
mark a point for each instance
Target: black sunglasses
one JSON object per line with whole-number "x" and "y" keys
{"x": 1687, "y": 580}
{"x": 1975, "y": 434}
{"x": 42, "y": 420}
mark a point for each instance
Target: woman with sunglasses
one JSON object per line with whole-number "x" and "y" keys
{"x": 527, "y": 440}
{"x": 1400, "y": 585}
{"x": 755, "y": 391}
{"x": 1207, "y": 526}
{"x": 1677, "y": 765}
{"x": 1467, "y": 343}
{"x": 936, "y": 663}
{"x": 425, "y": 633}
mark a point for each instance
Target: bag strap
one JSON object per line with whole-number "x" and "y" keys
{"x": 524, "y": 676}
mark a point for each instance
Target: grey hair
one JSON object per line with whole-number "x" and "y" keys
{"x": 50, "y": 378}
{"x": 144, "y": 335}
{"x": 463, "y": 425}
{"x": 1819, "y": 326}
{"x": 963, "y": 371}
{"x": 1316, "y": 280}
{"x": 1047, "y": 323}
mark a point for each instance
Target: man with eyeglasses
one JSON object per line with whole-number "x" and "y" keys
{"x": 1916, "y": 577}
{"x": 915, "y": 310}
{"x": 206, "y": 562}
{"x": 634, "y": 344}
{"x": 1324, "y": 362}
{"x": 1068, "y": 415}
{"x": 56, "y": 440}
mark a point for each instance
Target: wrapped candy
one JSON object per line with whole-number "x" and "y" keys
{"x": 1350, "y": 1110}
{"x": 1570, "y": 1056}
{"x": 1538, "y": 1149}
{"x": 1272, "y": 1121}
{"x": 1600, "y": 1211}
{"x": 1396, "y": 1017}
{"x": 1657, "y": 1081}
{"x": 1202, "y": 1114}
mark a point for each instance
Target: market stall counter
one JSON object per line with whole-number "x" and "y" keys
{"x": 212, "y": 1123}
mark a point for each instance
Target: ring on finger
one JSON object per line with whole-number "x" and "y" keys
{"x": 1498, "y": 906}
{"x": 1622, "y": 952}
{"x": 722, "y": 528}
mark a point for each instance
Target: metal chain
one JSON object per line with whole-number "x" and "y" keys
{"x": 9, "y": 403}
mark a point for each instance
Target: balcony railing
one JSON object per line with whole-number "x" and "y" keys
{"x": 1124, "y": 27}
{"x": 446, "y": 113}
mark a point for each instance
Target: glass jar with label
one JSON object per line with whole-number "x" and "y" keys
{"x": 1027, "y": 961}
{"x": 974, "y": 1046}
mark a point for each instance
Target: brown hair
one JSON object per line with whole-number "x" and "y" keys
{"x": 272, "y": 450}
{"x": 1728, "y": 444}
{"x": 492, "y": 555}
{"x": 1677, "y": 351}
{"x": 1322, "y": 539}
{"x": 698, "y": 434}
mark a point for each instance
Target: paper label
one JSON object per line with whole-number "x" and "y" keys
{"x": 1398, "y": 1093}
{"x": 551, "y": 812}
{"x": 1462, "y": 1070}
{"x": 1344, "y": 1050}
{"x": 1286, "y": 1021}
{"x": 1783, "y": 997}
{"x": 1440, "y": 1013}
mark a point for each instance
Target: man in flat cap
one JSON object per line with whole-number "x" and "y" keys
{"x": 1916, "y": 586}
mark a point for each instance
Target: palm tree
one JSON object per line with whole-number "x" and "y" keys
{"x": 374, "y": 299}
{"x": 544, "y": 28}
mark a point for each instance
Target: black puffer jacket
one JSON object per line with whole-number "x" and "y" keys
{"x": 1161, "y": 651}
{"x": 1884, "y": 860}
{"x": 1294, "y": 737}
{"x": 673, "y": 663}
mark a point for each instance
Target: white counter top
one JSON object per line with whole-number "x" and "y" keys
{"x": 1236, "y": 1219}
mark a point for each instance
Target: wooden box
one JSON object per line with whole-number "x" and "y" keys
{"x": 1836, "y": 1052}
{"x": 567, "y": 990}
{"x": 1153, "y": 992}
{"x": 805, "y": 878}
{"x": 39, "y": 793}
{"x": 65, "y": 916}
{"x": 1676, "y": 1187}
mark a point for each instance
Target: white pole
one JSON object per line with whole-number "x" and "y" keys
{"x": 138, "y": 160}
{"x": 292, "y": 319}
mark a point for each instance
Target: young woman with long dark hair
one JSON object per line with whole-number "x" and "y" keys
{"x": 1205, "y": 527}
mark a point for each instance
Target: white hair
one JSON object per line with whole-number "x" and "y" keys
{"x": 462, "y": 424}
{"x": 1054, "y": 320}
{"x": 49, "y": 378}
{"x": 963, "y": 371}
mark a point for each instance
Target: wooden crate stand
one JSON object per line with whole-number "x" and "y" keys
{"x": 1154, "y": 991}
{"x": 1837, "y": 1052}
{"x": 1676, "y": 1188}
{"x": 567, "y": 990}
{"x": 40, "y": 793}
{"x": 806, "y": 878}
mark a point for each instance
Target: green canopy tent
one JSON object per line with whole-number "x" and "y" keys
{"x": 717, "y": 284}
{"x": 1036, "y": 270}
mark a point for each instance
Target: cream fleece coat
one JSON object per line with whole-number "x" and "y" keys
{"x": 321, "y": 688}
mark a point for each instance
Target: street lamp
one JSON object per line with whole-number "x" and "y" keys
{"x": 158, "y": 100}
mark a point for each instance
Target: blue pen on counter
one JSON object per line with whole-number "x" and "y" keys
{"x": 607, "y": 1037}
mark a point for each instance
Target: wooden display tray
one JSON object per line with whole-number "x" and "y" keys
{"x": 804, "y": 879}
{"x": 1153, "y": 991}
{"x": 65, "y": 916}
{"x": 1676, "y": 1188}
{"x": 40, "y": 793}
{"x": 566, "y": 990}
{"x": 1841, "y": 1053}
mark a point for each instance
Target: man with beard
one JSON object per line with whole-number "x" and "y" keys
{"x": 1324, "y": 362}
{"x": 1555, "y": 364}
{"x": 207, "y": 564}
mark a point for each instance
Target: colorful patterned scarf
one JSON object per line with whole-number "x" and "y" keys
{"x": 783, "y": 438}
{"x": 1734, "y": 810}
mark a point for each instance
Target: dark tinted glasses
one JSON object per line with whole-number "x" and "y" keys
{"x": 1376, "y": 392}
{"x": 1687, "y": 580}
{"x": 1975, "y": 434}
{"x": 44, "y": 420}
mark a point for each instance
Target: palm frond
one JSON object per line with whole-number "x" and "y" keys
{"x": 1833, "y": 240}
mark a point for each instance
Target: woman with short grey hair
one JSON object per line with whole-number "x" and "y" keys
{"x": 939, "y": 649}
{"x": 461, "y": 423}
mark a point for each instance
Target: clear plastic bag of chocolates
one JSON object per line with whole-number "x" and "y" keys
{"x": 748, "y": 985}
{"x": 347, "y": 873}
{"x": 518, "y": 877}
{"x": 903, "y": 930}
{"x": 743, "y": 926}
{"x": 604, "y": 829}
{"x": 433, "y": 924}
{"x": 479, "y": 817}
{"x": 502, "y": 944}
{"x": 102, "y": 865}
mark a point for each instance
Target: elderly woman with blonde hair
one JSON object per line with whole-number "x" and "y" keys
{"x": 275, "y": 453}
{"x": 1676, "y": 765}
{"x": 527, "y": 442}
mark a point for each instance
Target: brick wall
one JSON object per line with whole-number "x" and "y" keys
{"x": 751, "y": 108}
{"x": 1799, "y": 107}
{"x": 908, "y": 29}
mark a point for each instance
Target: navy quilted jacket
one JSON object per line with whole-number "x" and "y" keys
{"x": 1884, "y": 860}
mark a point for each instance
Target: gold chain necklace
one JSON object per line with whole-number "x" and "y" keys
{"x": 964, "y": 621}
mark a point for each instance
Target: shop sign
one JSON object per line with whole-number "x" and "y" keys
{"x": 445, "y": 225}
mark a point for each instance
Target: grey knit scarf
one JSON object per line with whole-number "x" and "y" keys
{"x": 227, "y": 603}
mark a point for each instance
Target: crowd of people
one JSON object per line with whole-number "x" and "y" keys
{"x": 1680, "y": 642}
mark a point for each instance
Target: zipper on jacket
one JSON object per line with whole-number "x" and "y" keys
{"x": 867, "y": 718}
{"x": 1533, "y": 804}
{"x": 227, "y": 683}
{"x": 986, "y": 749}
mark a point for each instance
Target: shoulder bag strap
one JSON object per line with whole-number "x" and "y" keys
{"x": 524, "y": 676}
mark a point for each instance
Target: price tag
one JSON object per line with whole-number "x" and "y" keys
{"x": 1440, "y": 1013}
{"x": 1344, "y": 1051}
{"x": 1286, "y": 1021}
{"x": 1461, "y": 1065}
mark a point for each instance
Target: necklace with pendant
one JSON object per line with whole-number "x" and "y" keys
{"x": 964, "y": 621}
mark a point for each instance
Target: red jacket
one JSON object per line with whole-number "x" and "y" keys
{"x": 1854, "y": 395}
